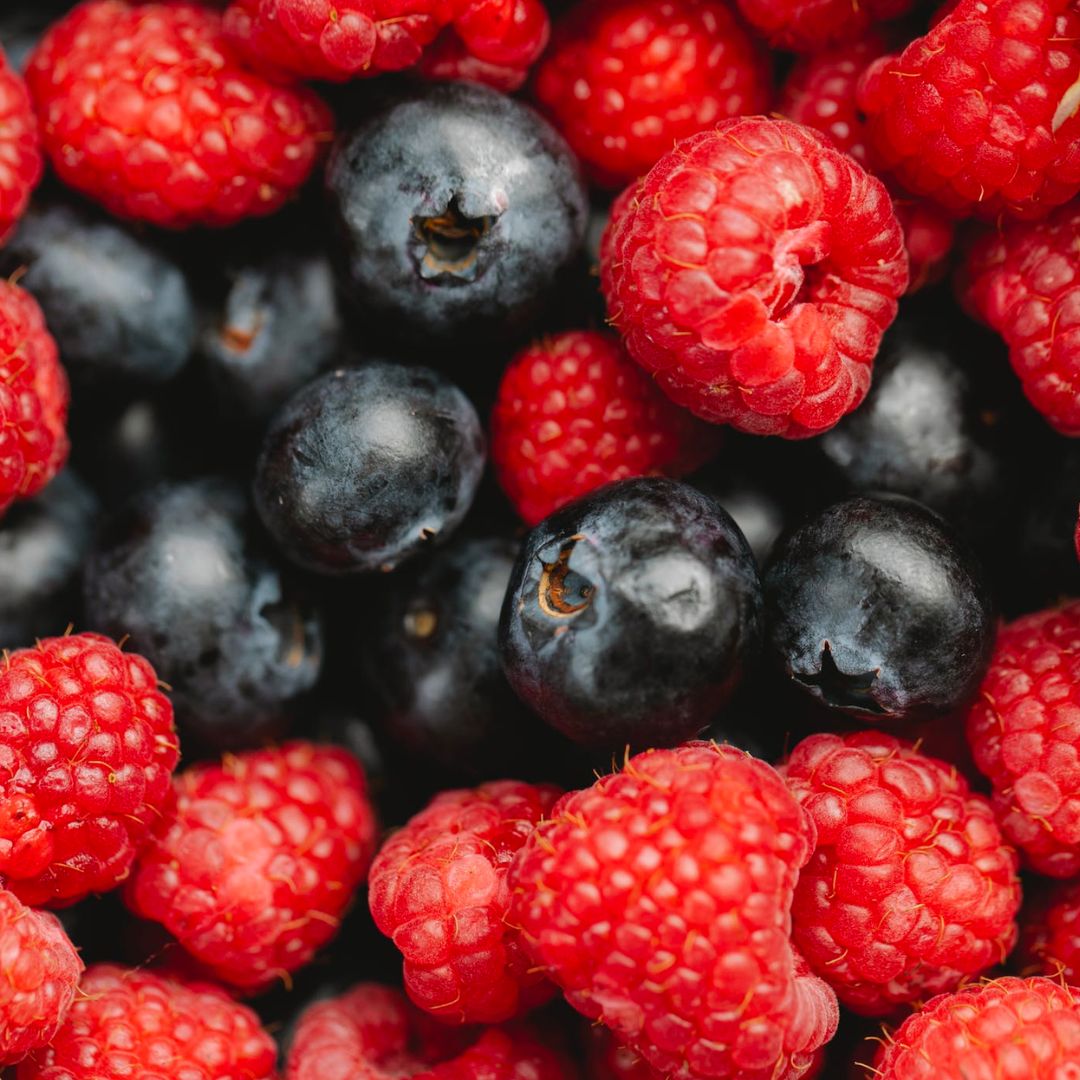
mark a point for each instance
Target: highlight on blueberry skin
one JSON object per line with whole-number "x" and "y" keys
{"x": 632, "y": 615}
{"x": 876, "y": 608}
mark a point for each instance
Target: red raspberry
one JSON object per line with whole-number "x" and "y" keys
{"x": 574, "y": 412}
{"x": 811, "y": 25}
{"x": 754, "y": 271}
{"x": 981, "y": 113}
{"x": 608, "y": 1059}
{"x": 1024, "y": 733}
{"x": 87, "y": 748}
{"x": 910, "y": 888}
{"x": 626, "y": 79}
{"x": 447, "y": 59}
{"x": 438, "y": 888}
{"x": 1023, "y": 280}
{"x": 1007, "y": 1029}
{"x": 20, "y": 148}
{"x": 254, "y": 867}
{"x": 34, "y": 398}
{"x": 148, "y": 110}
{"x": 1050, "y": 933}
{"x": 659, "y": 898}
{"x": 129, "y": 1023}
{"x": 39, "y": 974}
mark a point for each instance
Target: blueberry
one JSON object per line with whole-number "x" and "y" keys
{"x": 117, "y": 305}
{"x": 875, "y": 607}
{"x": 43, "y": 542}
{"x": 632, "y": 615}
{"x": 181, "y": 574}
{"x": 455, "y": 209}
{"x": 366, "y": 467}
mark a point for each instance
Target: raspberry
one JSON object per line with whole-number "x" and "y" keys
{"x": 371, "y": 1033}
{"x": 20, "y": 149}
{"x": 39, "y": 974}
{"x": 574, "y": 412}
{"x": 910, "y": 887}
{"x": 87, "y": 748}
{"x": 1050, "y": 933}
{"x": 34, "y": 399}
{"x": 1023, "y": 280}
{"x": 754, "y": 271}
{"x": 1024, "y": 733}
{"x": 129, "y": 1023}
{"x": 448, "y": 60}
{"x": 148, "y": 110}
{"x": 254, "y": 867}
{"x": 609, "y": 1060}
{"x": 625, "y": 79}
{"x": 658, "y": 899}
{"x": 1007, "y": 1029}
{"x": 981, "y": 113}
{"x": 811, "y": 25}
{"x": 439, "y": 889}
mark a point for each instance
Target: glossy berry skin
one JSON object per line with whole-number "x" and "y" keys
{"x": 911, "y": 888}
{"x": 1024, "y": 737}
{"x": 980, "y": 113}
{"x": 876, "y": 608}
{"x": 180, "y": 573}
{"x": 1016, "y": 1029}
{"x": 366, "y": 467}
{"x": 659, "y": 898}
{"x": 129, "y": 1023}
{"x": 20, "y": 149}
{"x": 574, "y": 412}
{"x": 87, "y": 750}
{"x": 455, "y": 211}
{"x": 753, "y": 272}
{"x": 810, "y": 25}
{"x": 38, "y": 980}
{"x": 1049, "y": 937}
{"x": 148, "y": 110}
{"x": 631, "y": 615}
{"x": 254, "y": 867}
{"x": 625, "y": 79}
{"x": 439, "y": 888}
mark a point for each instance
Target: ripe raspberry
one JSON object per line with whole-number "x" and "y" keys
{"x": 20, "y": 148}
{"x": 438, "y": 888}
{"x": 626, "y": 79}
{"x": 609, "y": 1060}
{"x": 34, "y": 399}
{"x": 574, "y": 412}
{"x": 1050, "y": 933}
{"x": 753, "y": 271}
{"x": 129, "y": 1023}
{"x": 448, "y": 60}
{"x": 811, "y": 25}
{"x": 148, "y": 110}
{"x": 1007, "y": 1029}
{"x": 254, "y": 867}
{"x": 1023, "y": 280}
{"x": 87, "y": 748}
{"x": 1024, "y": 733}
{"x": 981, "y": 113}
{"x": 659, "y": 898}
{"x": 39, "y": 973}
{"x": 910, "y": 887}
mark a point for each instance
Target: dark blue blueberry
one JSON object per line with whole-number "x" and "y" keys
{"x": 366, "y": 467}
{"x": 632, "y": 615}
{"x": 456, "y": 210}
{"x": 181, "y": 574}
{"x": 875, "y": 607}
{"x": 43, "y": 543}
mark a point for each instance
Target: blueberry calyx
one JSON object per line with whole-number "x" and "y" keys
{"x": 563, "y": 592}
{"x": 446, "y": 246}
{"x": 840, "y": 689}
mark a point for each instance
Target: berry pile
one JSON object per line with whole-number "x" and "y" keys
{"x": 539, "y": 540}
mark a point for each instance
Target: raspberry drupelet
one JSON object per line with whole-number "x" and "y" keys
{"x": 754, "y": 271}
{"x": 20, "y": 148}
{"x": 811, "y": 25}
{"x": 87, "y": 751}
{"x": 439, "y": 889}
{"x": 1050, "y": 932}
{"x": 254, "y": 867}
{"x": 148, "y": 110}
{"x": 574, "y": 412}
{"x": 626, "y": 79}
{"x": 658, "y": 900}
{"x": 910, "y": 888}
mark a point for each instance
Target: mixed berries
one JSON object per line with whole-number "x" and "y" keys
{"x": 539, "y": 540}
